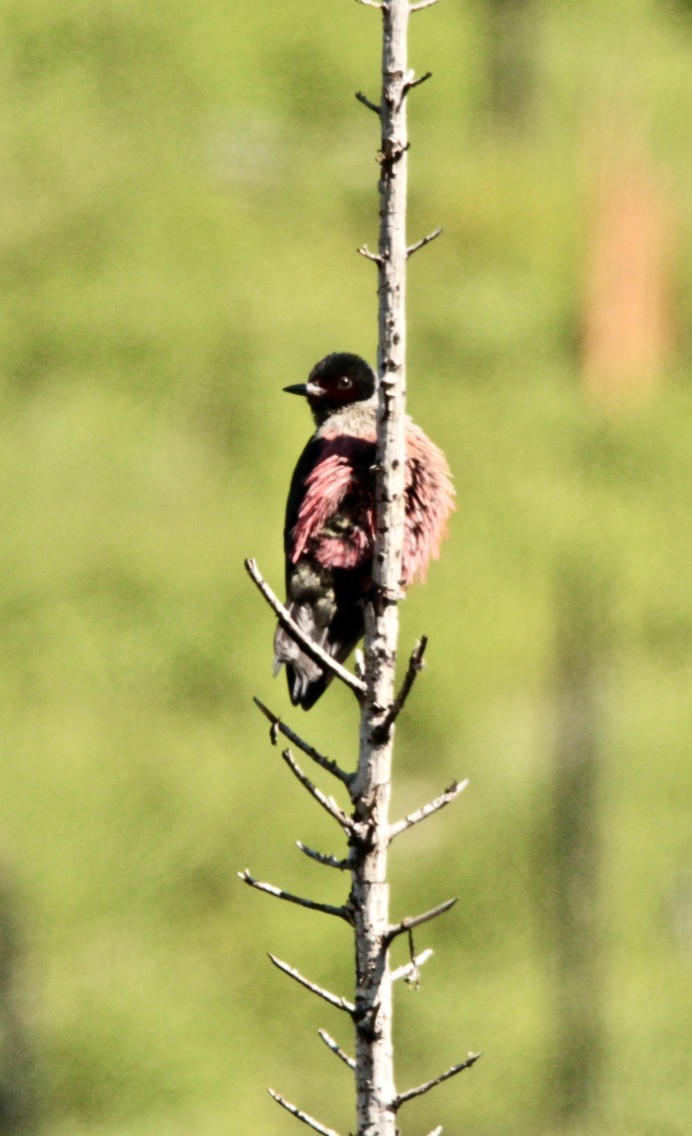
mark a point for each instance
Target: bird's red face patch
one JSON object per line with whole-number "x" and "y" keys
{"x": 333, "y": 390}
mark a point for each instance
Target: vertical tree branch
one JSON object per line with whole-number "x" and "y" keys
{"x": 374, "y": 1072}
{"x": 369, "y": 830}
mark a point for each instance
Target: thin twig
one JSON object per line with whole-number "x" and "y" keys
{"x": 300, "y": 1115}
{"x": 436, "y": 1131}
{"x": 322, "y": 658}
{"x": 409, "y": 971}
{"x": 336, "y": 1048}
{"x": 415, "y": 81}
{"x": 328, "y": 861}
{"x": 423, "y": 241}
{"x": 415, "y": 666}
{"x": 324, "y": 762}
{"x": 416, "y": 920}
{"x": 368, "y": 102}
{"x": 365, "y": 251}
{"x": 445, "y": 798}
{"x": 371, "y": 3}
{"x": 419, "y": 8}
{"x": 402, "y": 1098}
{"x": 328, "y": 803}
{"x": 279, "y": 893}
{"x": 333, "y": 999}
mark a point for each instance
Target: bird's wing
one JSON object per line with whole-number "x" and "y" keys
{"x": 334, "y": 515}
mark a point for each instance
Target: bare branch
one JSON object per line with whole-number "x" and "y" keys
{"x": 322, "y": 658}
{"x": 367, "y": 102}
{"x": 423, "y": 241}
{"x": 445, "y": 798}
{"x": 336, "y": 1048}
{"x": 340, "y": 1003}
{"x": 279, "y": 893}
{"x": 436, "y": 1131}
{"x": 413, "y": 979}
{"x": 321, "y": 858}
{"x": 409, "y": 972}
{"x": 372, "y": 3}
{"x": 277, "y": 726}
{"x": 374, "y": 1072}
{"x": 365, "y": 251}
{"x": 415, "y": 81}
{"x": 300, "y": 1115}
{"x": 415, "y": 666}
{"x": 402, "y": 1098}
{"x": 380, "y": 708}
{"x": 412, "y": 921}
{"x": 328, "y": 803}
{"x": 419, "y": 8}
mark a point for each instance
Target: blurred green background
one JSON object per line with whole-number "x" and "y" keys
{"x": 182, "y": 191}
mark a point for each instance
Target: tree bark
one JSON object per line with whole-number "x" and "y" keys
{"x": 376, "y": 1093}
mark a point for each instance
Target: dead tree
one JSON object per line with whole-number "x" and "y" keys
{"x": 368, "y": 829}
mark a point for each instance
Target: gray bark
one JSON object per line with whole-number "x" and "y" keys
{"x": 375, "y": 1087}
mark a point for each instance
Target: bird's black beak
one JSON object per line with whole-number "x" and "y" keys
{"x": 297, "y": 388}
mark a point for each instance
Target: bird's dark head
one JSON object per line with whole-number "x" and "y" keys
{"x": 336, "y": 381}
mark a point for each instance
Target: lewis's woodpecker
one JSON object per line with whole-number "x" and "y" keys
{"x": 329, "y": 535}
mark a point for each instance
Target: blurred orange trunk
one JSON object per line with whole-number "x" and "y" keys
{"x": 628, "y": 311}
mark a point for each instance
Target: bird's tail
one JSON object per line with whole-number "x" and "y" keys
{"x": 307, "y": 680}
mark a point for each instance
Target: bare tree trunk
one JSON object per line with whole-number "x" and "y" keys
{"x": 369, "y": 830}
{"x": 629, "y": 318}
{"x": 370, "y": 894}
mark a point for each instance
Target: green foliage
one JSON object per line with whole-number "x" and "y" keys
{"x": 183, "y": 189}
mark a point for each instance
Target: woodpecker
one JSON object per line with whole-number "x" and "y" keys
{"x": 329, "y": 534}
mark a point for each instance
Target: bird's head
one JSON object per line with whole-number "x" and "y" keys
{"x": 336, "y": 381}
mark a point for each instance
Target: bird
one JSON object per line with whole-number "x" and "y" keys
{"x": 329, "y": 531}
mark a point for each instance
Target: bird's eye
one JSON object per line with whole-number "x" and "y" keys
{"x": 344, "y": 383}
